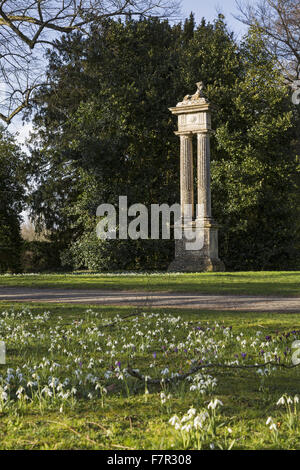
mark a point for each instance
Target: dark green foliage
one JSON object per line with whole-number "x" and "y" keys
{"x": 40, "y": 256}
{"x": 117, "y": 255}
{"x": 105, "y": 130}
{"x": 11, "y": 197}
{"x": 257, "y": 169}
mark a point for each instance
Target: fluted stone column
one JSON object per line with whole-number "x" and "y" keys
{"x": 203, "y": 175}
{"x": 186, "y": 175}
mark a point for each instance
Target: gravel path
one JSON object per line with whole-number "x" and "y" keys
{"x": 153, "y": 299}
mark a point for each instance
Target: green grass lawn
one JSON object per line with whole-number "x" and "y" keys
{"x": 248, "y": 283}
{"x": 72, "y": 362}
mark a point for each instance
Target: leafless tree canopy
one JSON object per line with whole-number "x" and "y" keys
{"x": 279, "y": 22}
{"x": 28, "y": 26}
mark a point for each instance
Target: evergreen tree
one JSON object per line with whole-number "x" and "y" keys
{"x": 12, "y": 179}
{"x": 103, "y": 129}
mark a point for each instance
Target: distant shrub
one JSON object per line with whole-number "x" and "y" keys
{"x": 117, "y": 255}
{"x": 40, "y": 256}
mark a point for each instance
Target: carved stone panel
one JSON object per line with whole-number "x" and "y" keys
{"x": 194, "y": 121}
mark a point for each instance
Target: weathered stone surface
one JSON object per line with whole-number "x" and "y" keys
{"x": 198, "y": 260}
{"x": 194, "y": 117}
{"x": 203, "y": 174}
{"x": 186, "y": 173}
{"x": 189, "y": 264}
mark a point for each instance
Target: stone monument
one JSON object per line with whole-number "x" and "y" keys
{"x": 194, "y": 117}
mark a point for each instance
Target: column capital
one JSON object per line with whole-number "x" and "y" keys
{"x": 191, "y": 133}
{"x": 184, "y": 133}
{"x": 205, "y": 132}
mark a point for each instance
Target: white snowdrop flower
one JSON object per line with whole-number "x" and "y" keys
{"x": 269, "y": 420}
{"x": 187, "y": 428}
{"x": 296, "y": 399}
{"x": 280, "y": 401}
{"x": 19, "y": 392}
{"x": 163, "y": 398}
{"x": 198, "y": 422}
{"x": 47, "y": 391}
{"x": 184, "y": 419}
{"x": 273, "y": 427}
{"x": 174, "y": 420}
{"x": 192, "y": 412}
{"x": 214, "y": 404}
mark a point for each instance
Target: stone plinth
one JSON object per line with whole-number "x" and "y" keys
{"x": 205, "y": 259}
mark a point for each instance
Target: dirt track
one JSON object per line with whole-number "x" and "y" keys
{"x": 155, "y": 299}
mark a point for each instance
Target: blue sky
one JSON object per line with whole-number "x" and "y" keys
{"x": 209, "y": 8}
{"x": 202, "y": 8}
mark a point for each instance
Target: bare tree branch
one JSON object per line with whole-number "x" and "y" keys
{"x": 134, "y": 373}
{"x": 279, "y": 23}
{"x": 26, "y": 27}
{"x": 23, "y": 104}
